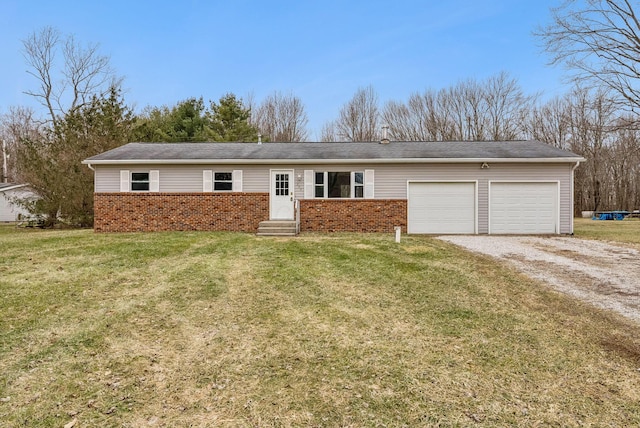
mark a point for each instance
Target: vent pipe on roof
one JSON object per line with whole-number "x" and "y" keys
{"x": 259, "y": 138}
{"x": 385, "y": 133}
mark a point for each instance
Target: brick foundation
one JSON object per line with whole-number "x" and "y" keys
{"x": 352, "y": 215}
{"x": 149, "y": 212}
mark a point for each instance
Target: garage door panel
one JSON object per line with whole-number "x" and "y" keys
{"x": 443, "y": 207}
{"x": 523, "y": 208}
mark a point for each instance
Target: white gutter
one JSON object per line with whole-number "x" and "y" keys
{"x": 324, "y": 161}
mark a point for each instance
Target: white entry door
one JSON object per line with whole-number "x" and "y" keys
{"x": 281, "y": 196}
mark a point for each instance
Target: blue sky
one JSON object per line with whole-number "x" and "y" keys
{"x": 320, "y": 51}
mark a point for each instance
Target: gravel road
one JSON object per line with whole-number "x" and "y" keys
{"x": 603, "y": 274}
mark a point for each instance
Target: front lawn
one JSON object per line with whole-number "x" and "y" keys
{"x": 226, "y": 329}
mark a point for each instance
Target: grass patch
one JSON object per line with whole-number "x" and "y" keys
{"x": 623, "y": 231}
{"x": 224, "y": 329}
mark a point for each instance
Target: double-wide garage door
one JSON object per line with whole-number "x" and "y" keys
{"x": 443, "y": 207}
{"x": 513, "y": 207}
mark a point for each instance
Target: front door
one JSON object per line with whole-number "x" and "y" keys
{"x": 281, "y": 196}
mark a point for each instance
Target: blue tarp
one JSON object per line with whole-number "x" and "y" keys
{"x": 610, "y": 215}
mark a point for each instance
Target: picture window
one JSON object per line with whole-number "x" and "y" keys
{"x": 341, "y": 184}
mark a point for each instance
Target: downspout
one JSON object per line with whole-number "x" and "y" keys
{"x": 91, "y": 167}
{"x": 573, "y": 193}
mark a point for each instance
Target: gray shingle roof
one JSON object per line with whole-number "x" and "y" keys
{"x": 306, "y": 152}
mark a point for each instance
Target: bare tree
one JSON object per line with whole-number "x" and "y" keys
{"x": 591, "y": 123}
{"x": 623, "y": 170}
{"x": 328, "y": 134}
{"x": 506, "y": 107}
{"x": 592, "y": 116}
{"x": 403, "y": 123}
{"x": 468, "y": 110}
{"x": 493, "y": 109}
{"x": 549, "y": 122}
{"x": 417, "y": 120}
{"x": 436, "y": 120}
{"x": 600, "y": 41}
{"x": 358, "y": 119}
{"x": 39, "y": 52}
{"x": 281, "y": 118}
{"x": 64, "y": 87}
{"x": 16, "y": 126}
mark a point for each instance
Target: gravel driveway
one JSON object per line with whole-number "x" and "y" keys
{"x": 603, "y": 274}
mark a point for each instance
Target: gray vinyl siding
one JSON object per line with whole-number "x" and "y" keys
{"x": 107, "y": 179}
{"x": 390, "y": 181}
{"x": 182, "y": 178}
{"x": 255, "y": 178}
{"x": 172, "y": 178}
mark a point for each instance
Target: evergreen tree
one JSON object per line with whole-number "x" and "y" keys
{"x": 185, "y": 122}
{"x": 230, "y": 120}
{"x": 52, "y": 164}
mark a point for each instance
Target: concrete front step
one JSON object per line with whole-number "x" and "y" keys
{"x": 275, "y": 234}
{"x": 278, "y": 223}
{"x": 277, "y": 228}
{"x": 263, "y": 232}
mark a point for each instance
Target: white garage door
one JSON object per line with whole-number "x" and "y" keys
{"x": 522, "y": 208}
{"x": 444, "y": 207}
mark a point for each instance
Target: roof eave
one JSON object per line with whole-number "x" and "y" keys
{"x": 316, "y": 161}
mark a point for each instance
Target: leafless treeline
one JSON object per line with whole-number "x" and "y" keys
{"x": 469, "y": 111}
{"x": 587, "y": 122}
{"x": 590, "y": 123}
{"x": 597, "y": 39}
{"x": 281, "y": 117}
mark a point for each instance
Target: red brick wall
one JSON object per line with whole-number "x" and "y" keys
{"x": 352, "y": 215}
{"x": 240, "y": 212}
{"x": 147, "y": 212}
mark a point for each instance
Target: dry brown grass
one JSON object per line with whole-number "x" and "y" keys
{"x": 182, "y": 329}
{"x": 623, "y": 231}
